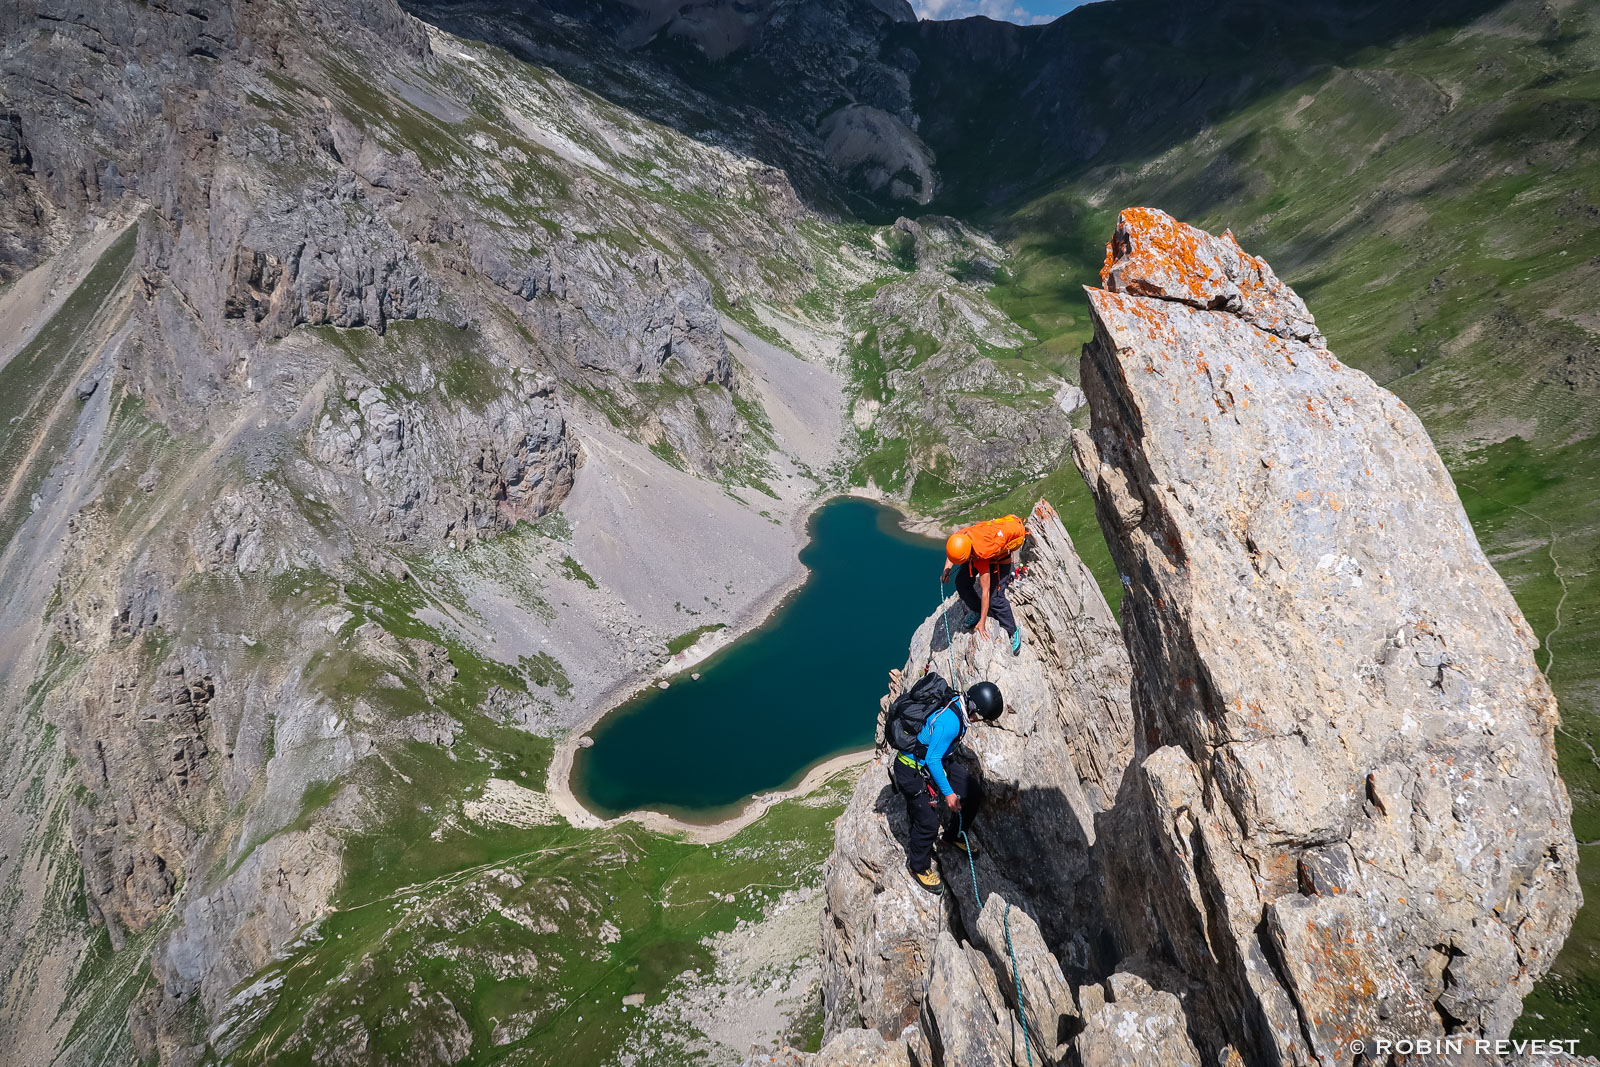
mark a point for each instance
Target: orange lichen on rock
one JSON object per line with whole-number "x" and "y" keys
{"x": 1151, "y": 254}
{"x": 1152, "y": 244}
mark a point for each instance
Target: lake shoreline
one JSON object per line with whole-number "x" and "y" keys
{"x": 558, "y": 783}
{"x": 910, "y": 522}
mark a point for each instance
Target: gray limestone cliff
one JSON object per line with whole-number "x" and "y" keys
{"x": 1307, "y": 794}
{"x": 313, "y": 319}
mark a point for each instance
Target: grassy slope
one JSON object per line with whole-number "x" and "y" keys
{"x": 1435, "y": 205}
{"x": 33, "y": 381}
{"x": 530, "y": 936}
{"x": 496, "y": 924}
{"x": 536, "y": 933}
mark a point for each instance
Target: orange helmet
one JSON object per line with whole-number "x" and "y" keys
{"x": 957, "y": 547}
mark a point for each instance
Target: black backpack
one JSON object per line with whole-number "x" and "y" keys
{"x": 912, "y": 710}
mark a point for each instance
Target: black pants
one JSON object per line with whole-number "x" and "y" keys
{"x": 924, "y": 818}
{"x": 1000, "y": 575}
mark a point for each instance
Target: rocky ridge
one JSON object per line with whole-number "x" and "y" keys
{"x": 939, "y": 393}
{"x": 1316, "y": 802}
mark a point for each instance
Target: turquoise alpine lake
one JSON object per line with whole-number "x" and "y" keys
{"x": 801, "y": 689}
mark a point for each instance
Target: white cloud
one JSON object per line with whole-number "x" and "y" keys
{"x": 1002, "y": 10}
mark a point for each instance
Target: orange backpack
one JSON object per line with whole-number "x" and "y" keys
{"x": 995, "y": 538}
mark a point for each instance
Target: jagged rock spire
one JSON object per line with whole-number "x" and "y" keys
{"x": 1347, "y": 762}
{"x": 1331, "y": 810}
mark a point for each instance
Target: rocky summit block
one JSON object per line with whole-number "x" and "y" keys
{"x": 1152, "y": 254}
{"x": 1346, "y": 756}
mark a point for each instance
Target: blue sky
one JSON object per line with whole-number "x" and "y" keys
{"x": 1018, "y": 11}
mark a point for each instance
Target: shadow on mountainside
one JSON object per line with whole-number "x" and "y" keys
{"x": 1011, "y": 108}
{"x": 761, "y": 101}
{"x": 1004, "y": 108}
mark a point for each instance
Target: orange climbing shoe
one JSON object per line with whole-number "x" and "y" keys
{"x": 929, "y": 880}
{"x": 960, "y": 844}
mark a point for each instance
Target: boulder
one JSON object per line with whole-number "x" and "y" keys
{"x": 1346, "y": 758}
{"x": 1139, "y": 1027}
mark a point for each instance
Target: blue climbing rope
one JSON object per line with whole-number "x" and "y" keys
{"x": 977, "y": 902}
{"x": 1016, "y": 975}
{"x": 961, "y": 831}
{"x": 949, "y": 642}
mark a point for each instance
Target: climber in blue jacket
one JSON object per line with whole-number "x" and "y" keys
{"x": 943, "y": 730}
{"x": 933, "y": 785}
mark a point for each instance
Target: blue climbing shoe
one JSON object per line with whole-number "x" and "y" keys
{"x": 1016, "y": 642}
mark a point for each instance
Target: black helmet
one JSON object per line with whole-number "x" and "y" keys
{"x": 984, "y": 700}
